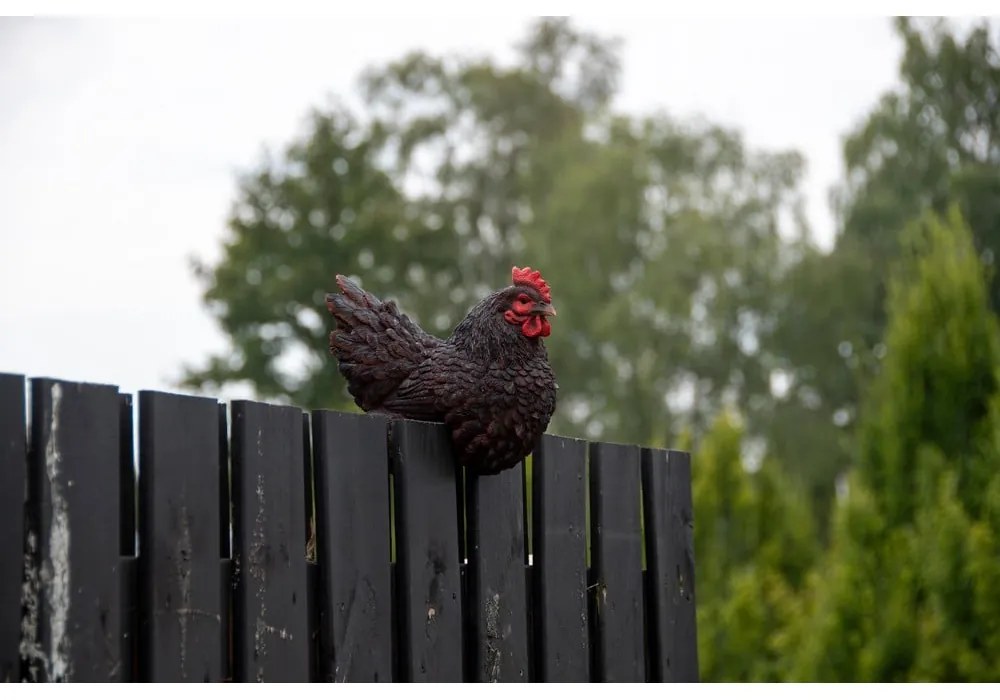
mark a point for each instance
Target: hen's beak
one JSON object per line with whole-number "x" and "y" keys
{"x": 544, "y": 310}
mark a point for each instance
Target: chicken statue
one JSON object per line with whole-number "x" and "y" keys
{"x": 490, "y": 382}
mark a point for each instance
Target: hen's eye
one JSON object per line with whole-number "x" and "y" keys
{"x": 523, "y": 299}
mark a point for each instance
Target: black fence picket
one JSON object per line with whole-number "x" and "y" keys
{"x": 559, "y": 531}
{"x": 666, "y": 483}
{"x": 616, "y": 594}
{"x": 267, "y": 554}
{"x": 73, "y": 622}
{"x": 270, "y": 624}
{"x": 427, "y": 562}
{"x": 351, "y": 463}
{"x": 497, "y": 582}
{"x": 180, "y": 602}
{"x": 13, "y": 487}
{"x": 127, "y": 531}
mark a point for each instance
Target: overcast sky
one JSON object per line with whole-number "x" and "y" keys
{"x": 120, "y": 143}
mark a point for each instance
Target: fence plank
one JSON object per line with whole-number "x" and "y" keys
{"x": 351, "y": 465}
{"x": 559, "y": 566}
{"x": 376, "y": 620}
{"x": 315, "y": 618}
{"x": 497, "y": 557}
{"x": 74, "y": 495}
{"x": 227, "y": 578}
{"x": 181, "y": 607}
{"x": 616, "y": 554}
{"x": 225, "y": 502}
{"x": 13, "y": 485}
{"x": 128, "y": 566}
{"x": 271, "y": 629}
{"x": 312, "y": 568}
{"x": 127, "y": 477}
{"x": 666, "y": 482}
{"x": 129, "y": 574}
{"x": 427, "y": 560}
{"x": 226, "y": 568}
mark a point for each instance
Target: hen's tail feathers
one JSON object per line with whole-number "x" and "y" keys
{"x": 352, "y": 299}
{"x": 377, "y": 346}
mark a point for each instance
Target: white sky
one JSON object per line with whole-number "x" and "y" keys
{"x": 120, "y": 143}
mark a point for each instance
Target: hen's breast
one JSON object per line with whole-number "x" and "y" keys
{"x": 505, "y": 411}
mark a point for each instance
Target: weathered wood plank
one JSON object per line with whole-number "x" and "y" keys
{"x": 666, "y": 482}
{"x": 559, "y": 570}
{"x": 616, "y": 555}
{"x": 270, "y": 626}
{"x": 13, "y": 487}
{"x": 181, "y": 607}
{"x": 497, "y": 557}
{"x": 427, "y": 560}
{"x": 75, "y": 506}
{"x": 351, "y": 464}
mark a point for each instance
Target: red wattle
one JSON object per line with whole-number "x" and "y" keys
{"x": 536, "y": 326}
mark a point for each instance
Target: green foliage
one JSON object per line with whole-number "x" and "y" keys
{"x": 754, "y": 545}
{"x": 933, "y": 141}
{"x": 819, "y": 333}
{"x": 325, "y": 203}
{"x": 935, "y": 386}
{"x": 908, "y": 589}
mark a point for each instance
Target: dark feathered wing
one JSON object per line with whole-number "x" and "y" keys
{"x": 377, "y": 347}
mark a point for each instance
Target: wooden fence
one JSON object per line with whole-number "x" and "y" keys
{"x": 263, "y": 543}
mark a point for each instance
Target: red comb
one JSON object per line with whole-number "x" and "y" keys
{"x": 532, "y": 278}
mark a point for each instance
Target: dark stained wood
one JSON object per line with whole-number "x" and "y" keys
{"x": 225, "y": 507}
{"x": 394, "y": 622}
{"x": 427, "y": 560}
{"x": 616, "y": 555}
{"x": 669, "y": 527}
{"x": 127, "y": 541}
{"x": 351, "y": 464}
{"x": 496, "y": 577}
{"x": 270, "y": 626}
{"x": 226, "y": 568}
{"x": 227, "y": 581}
{"x": 13, "y": 488}
{"x": 193, "y": 607}
{"x": 315, "y": 617}
{"x": 75, "y": 502}
{"x": 129, "y": 569}
{"x": 309, "y": 485}
{"x": 127, "y": 523}
{"x": 313, "y": 601}
{"x": 559, "y": 569}
{"x": 181, "y": 607}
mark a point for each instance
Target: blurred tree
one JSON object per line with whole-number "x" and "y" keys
{"x": 327, "y": 205}
{"x": 754, "y": 545}
{"x": 908, "y": 590}
{"x": 664, "y": 243}
{"x": 933, "y": 140}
